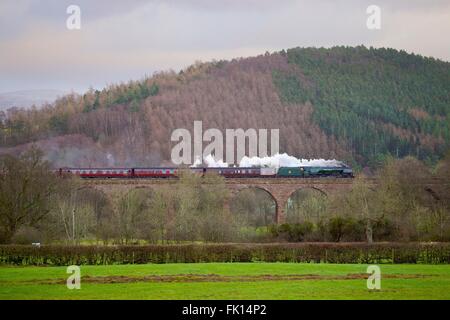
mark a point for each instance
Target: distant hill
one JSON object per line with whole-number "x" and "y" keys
{"x": 355, "y": 104}
{"x": 27, "y": 98}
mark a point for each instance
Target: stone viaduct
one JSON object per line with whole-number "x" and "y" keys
{"x": 280, "y": 189}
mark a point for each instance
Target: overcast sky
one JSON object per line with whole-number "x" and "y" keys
{"x": 122, "y": 40}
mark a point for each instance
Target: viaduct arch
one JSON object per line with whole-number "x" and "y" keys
{"x": 279, "y": 188}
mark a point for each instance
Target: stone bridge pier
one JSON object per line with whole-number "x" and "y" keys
{"x": 280, "y": 189}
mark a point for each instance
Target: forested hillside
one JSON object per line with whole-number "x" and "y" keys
{"x": 353, "y": 104}
{"x": 380, "y": 101}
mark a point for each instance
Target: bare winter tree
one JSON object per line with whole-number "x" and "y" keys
{"x": 26, "y": 186}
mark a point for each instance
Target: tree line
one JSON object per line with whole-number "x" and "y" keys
{"x": 38, "y": 206}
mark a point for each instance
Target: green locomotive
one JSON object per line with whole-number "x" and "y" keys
{"x": 311, "y": 172}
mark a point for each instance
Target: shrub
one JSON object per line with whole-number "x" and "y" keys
{"x": 383, "y": 229}
{"x": 27, "y": 235}
{"x": 293, "y": 232}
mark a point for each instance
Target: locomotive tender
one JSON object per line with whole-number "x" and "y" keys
{"x": 227, "y": 172}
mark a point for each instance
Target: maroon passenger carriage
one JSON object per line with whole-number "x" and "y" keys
{"x": 98, "y": 172}
{"x": 154, "y": 172}
{"x": 120, "y": 172}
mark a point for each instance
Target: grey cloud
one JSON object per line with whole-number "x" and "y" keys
{"x": 120, "y": 40}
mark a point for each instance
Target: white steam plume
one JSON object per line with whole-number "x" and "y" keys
{"x": 197, "y": 163}
{"x": 213, "y": 163}
{"x": 210, "y": 162}
{"x": 276, "y": 161}
{"x": 285, "y": 160}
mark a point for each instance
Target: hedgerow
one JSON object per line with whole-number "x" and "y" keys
{"x": 59, "y": 255}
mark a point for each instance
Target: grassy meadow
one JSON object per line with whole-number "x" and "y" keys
{"x": 227, "y": 281}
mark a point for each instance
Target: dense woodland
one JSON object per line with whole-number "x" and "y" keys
{"x": 355, "y": 104}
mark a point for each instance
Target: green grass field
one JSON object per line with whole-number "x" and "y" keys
{"x": 227, "y": 281}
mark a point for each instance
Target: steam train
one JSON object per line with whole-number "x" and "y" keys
{"x": 227, "y": 172}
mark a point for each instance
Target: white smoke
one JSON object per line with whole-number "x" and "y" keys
{"x": 285, "y": 160}
{"x": 210, "y": 162}
{"x": 197, "y": 163}
{"x": 213, "y": 163}
{"x": 276, "y": 161}
{"x": 110, "y": 159}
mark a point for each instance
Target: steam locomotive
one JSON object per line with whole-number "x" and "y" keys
{"x": 227, "y": 172}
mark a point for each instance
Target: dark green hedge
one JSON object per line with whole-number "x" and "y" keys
{"x": 283, "y": 252}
